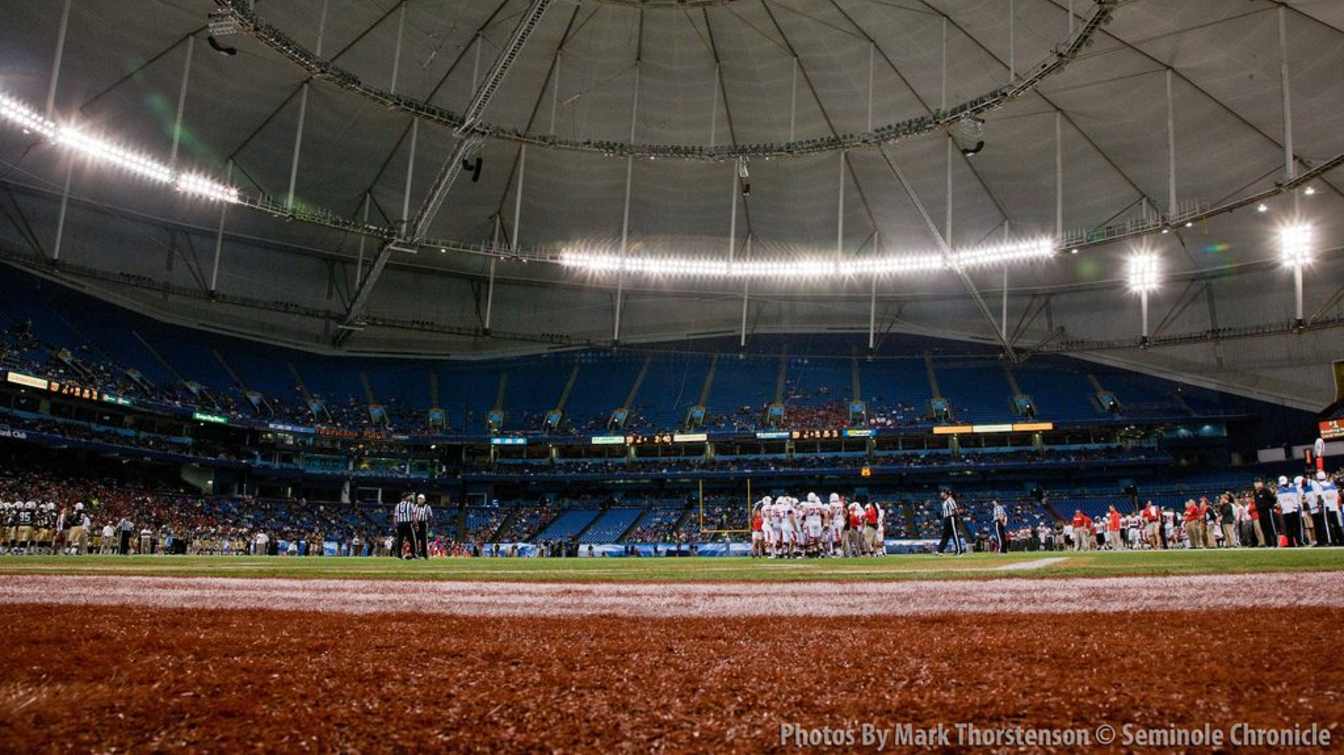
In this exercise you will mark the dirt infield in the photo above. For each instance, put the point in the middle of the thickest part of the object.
(133, 678)
(729, 600)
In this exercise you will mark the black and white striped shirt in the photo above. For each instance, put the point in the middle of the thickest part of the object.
(404, 512)
(422, 513)
(949, 506)
(1000, 515)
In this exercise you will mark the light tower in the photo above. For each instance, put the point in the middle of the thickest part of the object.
(1296, 243)
(1145, 269)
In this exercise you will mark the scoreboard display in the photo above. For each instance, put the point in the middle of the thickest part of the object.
(73, 390)
(658, 439)
(1332, 429)
(815, 434)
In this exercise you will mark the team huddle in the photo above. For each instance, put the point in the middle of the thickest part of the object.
(32, 527)
(786, 527)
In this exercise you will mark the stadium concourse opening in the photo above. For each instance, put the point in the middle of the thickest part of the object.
(671, 375)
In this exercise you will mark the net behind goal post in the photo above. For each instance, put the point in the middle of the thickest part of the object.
(725, 510)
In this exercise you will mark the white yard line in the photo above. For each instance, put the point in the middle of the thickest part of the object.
(727, 599)
(1039, 563)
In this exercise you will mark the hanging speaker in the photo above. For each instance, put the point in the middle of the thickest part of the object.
(475, 167)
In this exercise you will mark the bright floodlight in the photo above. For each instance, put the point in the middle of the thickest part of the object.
(1145, 269)
(104, 151)
(198, 185)
(25, 117)
(810, 268)
(1295, 245)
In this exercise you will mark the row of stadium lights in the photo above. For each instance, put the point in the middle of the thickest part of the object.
(810, 267)
(103, 151)
(1296, 250)
(1295, 241)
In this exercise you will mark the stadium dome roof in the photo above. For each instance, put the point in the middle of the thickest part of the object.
(835, 112)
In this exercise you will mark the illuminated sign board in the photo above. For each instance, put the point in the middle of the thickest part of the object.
(287, 428)
(112, 398)
(690, 437)
(860, 432)
(18, 378)
(1332, 429)
(73, 390)
(218, 419)
(508, 441)
(608, 440)
(1021, 427)
(1033, 427)
(773, 435)
(815, 434)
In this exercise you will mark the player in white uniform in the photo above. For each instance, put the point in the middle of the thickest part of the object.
(774, 520)
(758, 536)
(792, 527)
(1330, 498)
(812, 524)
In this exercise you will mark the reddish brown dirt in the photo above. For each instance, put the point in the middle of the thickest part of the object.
(121, 678)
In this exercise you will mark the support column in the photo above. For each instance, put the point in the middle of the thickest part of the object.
(1143, 304)
(182, 100)
(65, 203)
(625, 219)
(793, 99)
(746, 294)
(555, 91)
(219, 234)
(396, 50)
(872, 297)
(1012, 41)
(1289, 167)
(303, 112)
(518, 198)
(1059, 175)
(490, 290)
(871, 50)
(410, 178)
(1171, 149)
(56, 63)
(840, 214)
(476, 63)
(1297, 292)
(714, 108)
(1003, 312)
(359, 265)
(732, 218)
(947, 226)
(1070, 19)
(942, 107)
(942, 102)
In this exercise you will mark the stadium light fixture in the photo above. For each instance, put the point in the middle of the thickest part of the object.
(1145, 270)
(1295, 245)
(100, 150)
(1262, 207)
(807, 268)
(1310, 191)
(205, 187)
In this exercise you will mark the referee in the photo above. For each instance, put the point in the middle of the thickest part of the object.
(403, 515)
(1001, 526)
(950, 524)
(420, 518)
